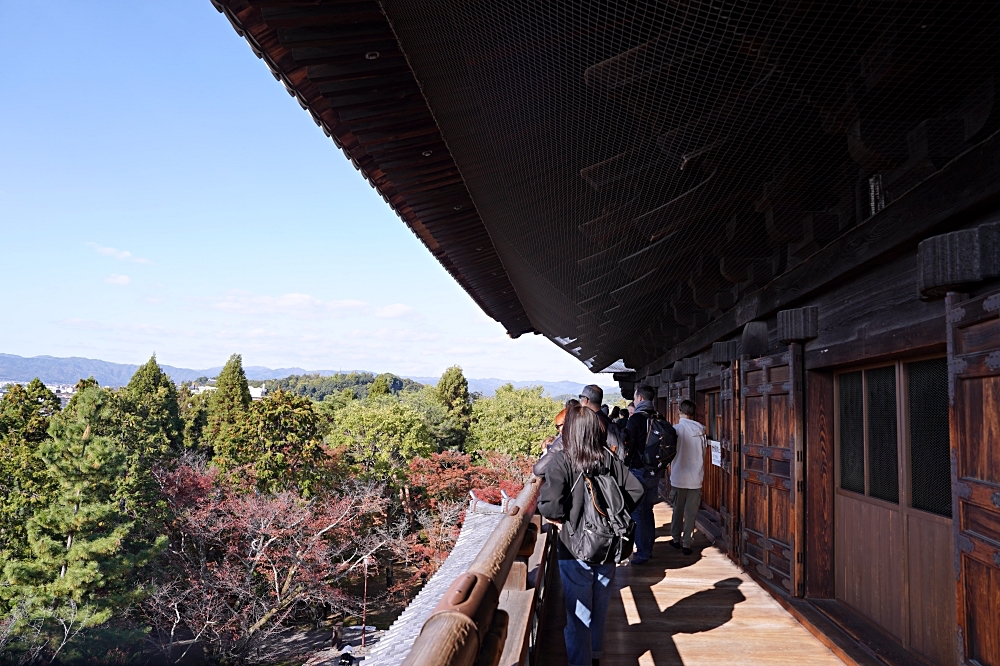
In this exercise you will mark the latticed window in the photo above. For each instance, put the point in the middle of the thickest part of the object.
(893, 434)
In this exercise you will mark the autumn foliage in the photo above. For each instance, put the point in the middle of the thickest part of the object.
(239, 564)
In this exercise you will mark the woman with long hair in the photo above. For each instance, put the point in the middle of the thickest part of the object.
(586, 585)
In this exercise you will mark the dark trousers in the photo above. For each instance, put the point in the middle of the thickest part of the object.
(587, 590)
(645, 528)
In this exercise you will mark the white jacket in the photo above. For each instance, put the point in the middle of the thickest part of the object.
(688, 468)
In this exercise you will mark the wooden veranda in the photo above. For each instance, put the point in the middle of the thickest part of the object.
(694, 609)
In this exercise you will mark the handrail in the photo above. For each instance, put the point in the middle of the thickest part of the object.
(465, 621)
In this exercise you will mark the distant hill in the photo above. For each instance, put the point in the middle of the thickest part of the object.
(53, 370)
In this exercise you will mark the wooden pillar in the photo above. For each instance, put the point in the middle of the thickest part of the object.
(820, 487)
(794, 328)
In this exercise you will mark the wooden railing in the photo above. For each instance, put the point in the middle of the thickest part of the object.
(490, 614)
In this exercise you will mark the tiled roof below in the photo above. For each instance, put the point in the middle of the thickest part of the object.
(396, 643)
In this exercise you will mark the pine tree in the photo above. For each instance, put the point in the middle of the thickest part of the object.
(228, 405)
(25, 486)
(82, 545)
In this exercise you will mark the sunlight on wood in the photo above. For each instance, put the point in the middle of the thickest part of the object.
(647, 659)
(631, 612)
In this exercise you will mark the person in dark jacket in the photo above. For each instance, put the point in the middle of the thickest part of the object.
(586, 585)
(556, 444)
(636, 431)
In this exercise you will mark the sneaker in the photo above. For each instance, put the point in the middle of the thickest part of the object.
(635, 561)
(686, 551)
(675, 543)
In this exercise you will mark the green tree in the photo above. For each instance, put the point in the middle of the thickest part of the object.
(513, 421)
(193, 412)
(25, 485)
(453, 390)
(444, 427)
(382, 386)
(281, 440)
(228, 404)
(383, 435)
(82, 550)
(152, 398)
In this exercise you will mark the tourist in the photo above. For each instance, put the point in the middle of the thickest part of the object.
(636, 433)
(686, 474)
(553, 444)
(586, 585)
(591, 397)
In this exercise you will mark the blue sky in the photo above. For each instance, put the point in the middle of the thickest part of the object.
(159, 191)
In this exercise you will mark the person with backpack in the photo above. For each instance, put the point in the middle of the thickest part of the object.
(687, 472)
(590, 494)
(651, 443)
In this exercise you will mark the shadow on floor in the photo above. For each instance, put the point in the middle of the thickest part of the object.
(626, 644)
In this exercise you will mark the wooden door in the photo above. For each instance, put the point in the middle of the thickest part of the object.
(771, 419)
(676, 393)
(729, 429)
(974, 399)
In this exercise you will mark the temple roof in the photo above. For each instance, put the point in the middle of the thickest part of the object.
(617, 176)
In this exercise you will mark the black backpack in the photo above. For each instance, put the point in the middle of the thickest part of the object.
(606, 531)
(661, 443)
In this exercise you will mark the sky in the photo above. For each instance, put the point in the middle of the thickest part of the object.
(161, 192)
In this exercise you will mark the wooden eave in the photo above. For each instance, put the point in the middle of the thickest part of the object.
(373, 109)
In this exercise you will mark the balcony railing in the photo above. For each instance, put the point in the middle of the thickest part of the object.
(490, 613)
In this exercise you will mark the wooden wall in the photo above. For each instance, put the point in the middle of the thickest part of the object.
(869, 557)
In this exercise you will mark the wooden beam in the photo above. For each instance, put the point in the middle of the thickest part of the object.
(968, 184)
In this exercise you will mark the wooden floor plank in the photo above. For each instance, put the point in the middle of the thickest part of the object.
(691, 610)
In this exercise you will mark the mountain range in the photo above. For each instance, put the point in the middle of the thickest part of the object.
(53, 370)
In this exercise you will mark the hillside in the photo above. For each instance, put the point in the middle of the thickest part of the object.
(54, 370)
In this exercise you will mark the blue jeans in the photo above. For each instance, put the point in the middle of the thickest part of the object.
(645, 528)
(587, 589)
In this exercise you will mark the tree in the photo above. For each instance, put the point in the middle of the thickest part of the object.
(152, 398)
(228, 405)
(281, 442)
(383, 435)
(453, 390)
(193, 412)
(239, 563)
(25, 485)
(82, 551)
(382, 386)
(513, 421)
(444, 426)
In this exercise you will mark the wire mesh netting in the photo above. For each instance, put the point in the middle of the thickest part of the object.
(640, 166)
(930, 465)
(852, 432)
(883, 440)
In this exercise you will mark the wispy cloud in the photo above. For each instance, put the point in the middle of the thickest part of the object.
(121, 255)
(394, 311)
(294, 304)
(118, 279)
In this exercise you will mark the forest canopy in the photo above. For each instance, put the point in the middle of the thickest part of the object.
(127, 518)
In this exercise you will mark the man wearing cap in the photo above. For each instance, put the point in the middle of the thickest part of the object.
(591, 397)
